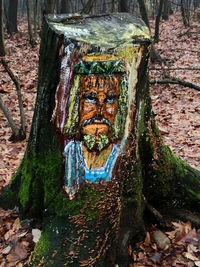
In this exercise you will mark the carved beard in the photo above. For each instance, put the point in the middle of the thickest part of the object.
(95, 142)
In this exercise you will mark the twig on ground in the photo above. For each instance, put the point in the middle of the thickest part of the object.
(172, 80)
(11, 122)
(193, 69)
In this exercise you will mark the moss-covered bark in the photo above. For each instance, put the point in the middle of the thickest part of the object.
(96, 227)
(166, 177)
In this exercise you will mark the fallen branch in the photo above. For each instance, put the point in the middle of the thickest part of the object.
(175, 69)
(17, 85)
(179, 49)
(8, 116)
(173, 80)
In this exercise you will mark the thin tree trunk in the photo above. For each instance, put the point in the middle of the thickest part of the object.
(124, 6)
(87, 7)
(49, 6)
(165, 14)
(184, 15)
(143, 12)
(30, 31)
(153, 54)
(35, 18)
(65, 6)
(2, 45)
(12, 17)
(115, 6)
(156, 35)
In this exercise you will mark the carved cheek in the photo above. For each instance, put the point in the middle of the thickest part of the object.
(110, 110)
(110, 113)
(88, 110)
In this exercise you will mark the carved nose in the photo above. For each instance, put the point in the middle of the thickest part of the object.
(100, 108)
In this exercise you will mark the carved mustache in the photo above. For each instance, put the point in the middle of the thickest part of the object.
(97, 119)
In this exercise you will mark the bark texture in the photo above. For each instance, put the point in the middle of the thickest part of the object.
(96, 227)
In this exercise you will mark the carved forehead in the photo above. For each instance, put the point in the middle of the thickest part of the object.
(100, 83)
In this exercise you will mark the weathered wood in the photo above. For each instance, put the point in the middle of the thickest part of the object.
(97, 63)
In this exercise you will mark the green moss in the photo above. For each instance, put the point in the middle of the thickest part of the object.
(42, 246)
(40, 177)
(87, 197)
(196, 195)
(26, 177)
(173, 161)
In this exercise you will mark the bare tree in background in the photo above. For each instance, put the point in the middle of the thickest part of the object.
(185, 11)
(123, 6)
(65, 6)
(30, 31)
(2, 46)
(11, 15)
(157, 24)
(49, 6)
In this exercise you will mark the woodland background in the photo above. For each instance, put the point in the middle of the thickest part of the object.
(175, 83)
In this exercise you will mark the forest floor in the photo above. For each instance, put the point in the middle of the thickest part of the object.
(177, 111)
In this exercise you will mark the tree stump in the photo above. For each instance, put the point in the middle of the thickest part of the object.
(94, 149)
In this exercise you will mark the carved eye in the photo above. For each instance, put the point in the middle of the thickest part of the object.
(110, 98)
(90, 97)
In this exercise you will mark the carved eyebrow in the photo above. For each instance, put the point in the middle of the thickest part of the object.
(111, 94)
(90, 94)
(90, 97)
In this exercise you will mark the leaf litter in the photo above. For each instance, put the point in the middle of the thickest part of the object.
(177, 111)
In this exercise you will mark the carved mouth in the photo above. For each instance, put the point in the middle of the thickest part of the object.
(96, 120)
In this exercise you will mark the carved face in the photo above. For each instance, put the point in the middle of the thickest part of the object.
(98, 104)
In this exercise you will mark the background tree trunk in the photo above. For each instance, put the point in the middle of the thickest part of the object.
(143, 12)
(156, 35)
(185, 11)
(97, 226)
(49, 6)
(65, 6)
(165, 14)
(88, 7)
(30, 31)
(123, 6)
(2, 46)
(12, 16)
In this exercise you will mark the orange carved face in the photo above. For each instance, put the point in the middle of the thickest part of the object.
(98, 103)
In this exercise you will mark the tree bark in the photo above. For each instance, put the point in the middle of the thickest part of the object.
(2, 45)
(97, 225)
